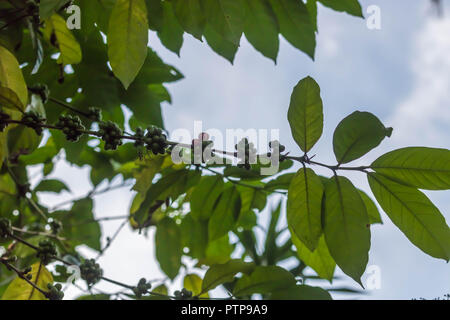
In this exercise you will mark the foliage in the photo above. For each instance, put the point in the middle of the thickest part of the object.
(62, 90)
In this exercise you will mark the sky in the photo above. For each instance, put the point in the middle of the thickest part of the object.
(401, 73)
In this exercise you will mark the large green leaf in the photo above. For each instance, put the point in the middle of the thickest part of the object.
(10, 100)
(371, 207)
(226, 213)
(352, 7)
(305, 113)
(304, 207)
(19, 289)
(194, 236)
(346, 227)
(48, 7)
(22, 140)
(295, 24)
(65, 41)
(420, 167)
(264, 280)
(168, 247)
(319, 260)
(204, 197)
(301, 292)
(218, 274)
(414, 214)
(261, 27)
(356, 135)
(170, 33)
(226, 17)
(11, 76)
(127, 39)
(190, 14)
(79, 225)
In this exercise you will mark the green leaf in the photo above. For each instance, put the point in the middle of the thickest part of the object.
(420, 167)
(79, 225)
(204, 197)
(226, 213)
(11, 76)
(295, 24)
(218, 274)
(48, 7)
(65, 41)
(10, 100)
(252, 198)
(226, 17)
(261, 27)
(155, 14)
(51, 185)
(346, 227)
(263, 280)
(301, 292)
(19, 289)
(352, 7)
(218, 251)
(127, 39)
(305, 113)
(414, 214)
(194, 236)
(356, 135)
(98, 296)
(190, 14)
(193, 283)
(319, 260)
(311, 5)
(372, 210)
(304, 207)
(281, 182)
(168, 247)
(219, 44)
(171, 33)
(22, 140)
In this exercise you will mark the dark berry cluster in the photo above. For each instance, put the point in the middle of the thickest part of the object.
(155, 140)
(42, 90)
(26, 273)
(183, 294)
(55, 226)
(142, 288)
(5, 228)
(111, 134)
(54, 292)
(199, 146)
(246, 153)
(47, 250)
(91, 272)
(95, 114)
(3, 118)
(71, 126)
(34, 120)
(276, 148)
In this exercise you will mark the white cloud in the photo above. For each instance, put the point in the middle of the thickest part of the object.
(423, 114)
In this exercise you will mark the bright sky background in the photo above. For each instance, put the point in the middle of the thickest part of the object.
(401, 73)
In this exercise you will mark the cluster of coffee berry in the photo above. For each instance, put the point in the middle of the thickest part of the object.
(71, 126)
(95, 114)
(5, 228)
(111, 134)
(155, 140)
(34, 120)
(184, 294)
(276, 148)
(55, 226)
(246, 153)
(142, 288)
(47, 250)
(54, 292)
(198, 147)
(91, 272)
